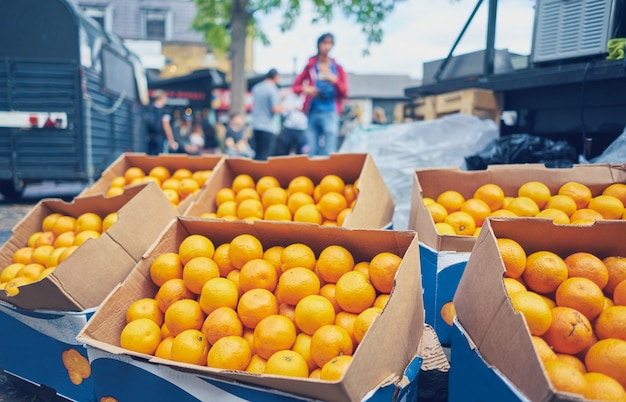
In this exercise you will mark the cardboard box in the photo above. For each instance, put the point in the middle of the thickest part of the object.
(483, 307)
(85, 278)
(443, 258)
(380, 358)
(374, 206)
(479, 102)
(146, 163)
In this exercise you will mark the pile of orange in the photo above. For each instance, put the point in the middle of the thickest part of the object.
(325, 203)
(176, 186)
(575, 309)
(268, 310)
(59, 237)
(573, 203)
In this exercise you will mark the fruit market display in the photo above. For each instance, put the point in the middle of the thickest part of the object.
(59, 237)
(176, 185)
(324, 203)
(573, 203)
(279, 310)
(575, 309)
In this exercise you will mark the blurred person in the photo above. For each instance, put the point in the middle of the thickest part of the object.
(159, 130)
(325, 84)
(235, 141)
(379, 116)
(265, 112)
(292, 139)
(211, 144)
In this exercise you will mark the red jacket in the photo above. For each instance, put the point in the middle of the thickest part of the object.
(307, 77)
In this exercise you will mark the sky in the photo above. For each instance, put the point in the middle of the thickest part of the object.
(417, 31)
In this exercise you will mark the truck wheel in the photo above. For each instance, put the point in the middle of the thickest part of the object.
(8, 191)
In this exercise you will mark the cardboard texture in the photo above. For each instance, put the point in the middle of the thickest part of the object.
(379, 359)
(443, 258)
(146, 163)
(374, 206)
(84, 279)
(484, 310)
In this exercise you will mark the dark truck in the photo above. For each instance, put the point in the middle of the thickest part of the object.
(72, 97)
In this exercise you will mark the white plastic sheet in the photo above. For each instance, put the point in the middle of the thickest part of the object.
(399, 149)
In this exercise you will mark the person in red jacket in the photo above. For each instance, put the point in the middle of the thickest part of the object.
(325, 84)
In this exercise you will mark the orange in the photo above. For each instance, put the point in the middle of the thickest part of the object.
(364, 321)
(183, 314)
(265, 183)
(478, 209)
(181, 173)
(317, 194)
(227, 208)
(9, 271)
(578, 191)
(198, 271)
(190, 346)
(492, 194)
(616, 267)
(563, 203)
(247, 194)
(346, 321)
(570, 331)
(187, 186)
(302, 345)
(273, 196)
(64, 224)
(166, 266)
(462, 222)
(329, 342)
(297, 200)
(256, 304)
(133, 173)
(335, 368)
(65, 254)
(221, 258)
(172, 291)
(308, 213)
(233, 276)
(427, 201)
(41, 254)
(277, 212)
(448, 312)
(164, 350)
(381, 300)
(12, 287)
(64, 239)
(333, 262)
(257, 273)
(46, 239)
(443, 228)
(619, 295)
(331, 183)
(170, 184)
(586, 214)
(248, 335)
(611, 323)
(30, 271)
(331, 204)
(608, 356)
(172, 196)
(555, 215)
(536, 191)
(46, 272)
(223, 321)
(224, 194)
(202, 176)
(297, 283)
(256, 365)
(503, 213)
(85, 235)
(608, 206)
(88, 221)
(160, 172)
(523, 206)
(218, 292)
(273, 255)
(301, 184)
(328, 291)
(437, 211)
(350, 193)
(354, 292)
(572, 361)
(141, 335)
(451, 200)
(193, 246)
(230, 353)
(382, 271)
(288, 310)
(297, 255)
(114, 191)
(33, 238)
(145, 308)
(535, 310)
(565, 378)
(287, 363)
(513, 256)
(581, 294)
(242, 181)
(587, 265)
(313, 312)
(544, 271)
(273, 333)
(544, 351)
(608, 302)
(243, 248)
(48, 221)
(601, 387)
(617, 190)
(363, 267)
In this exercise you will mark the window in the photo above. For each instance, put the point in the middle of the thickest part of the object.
(156, 24)
(102, 14)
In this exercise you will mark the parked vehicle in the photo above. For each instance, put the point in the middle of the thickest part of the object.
(72, 96)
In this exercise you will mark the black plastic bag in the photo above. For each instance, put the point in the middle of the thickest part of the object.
(523, 148)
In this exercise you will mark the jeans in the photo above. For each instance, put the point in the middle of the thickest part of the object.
(322, 133)
(264, 142)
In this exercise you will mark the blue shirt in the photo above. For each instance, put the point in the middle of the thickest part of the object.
(325, 101)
